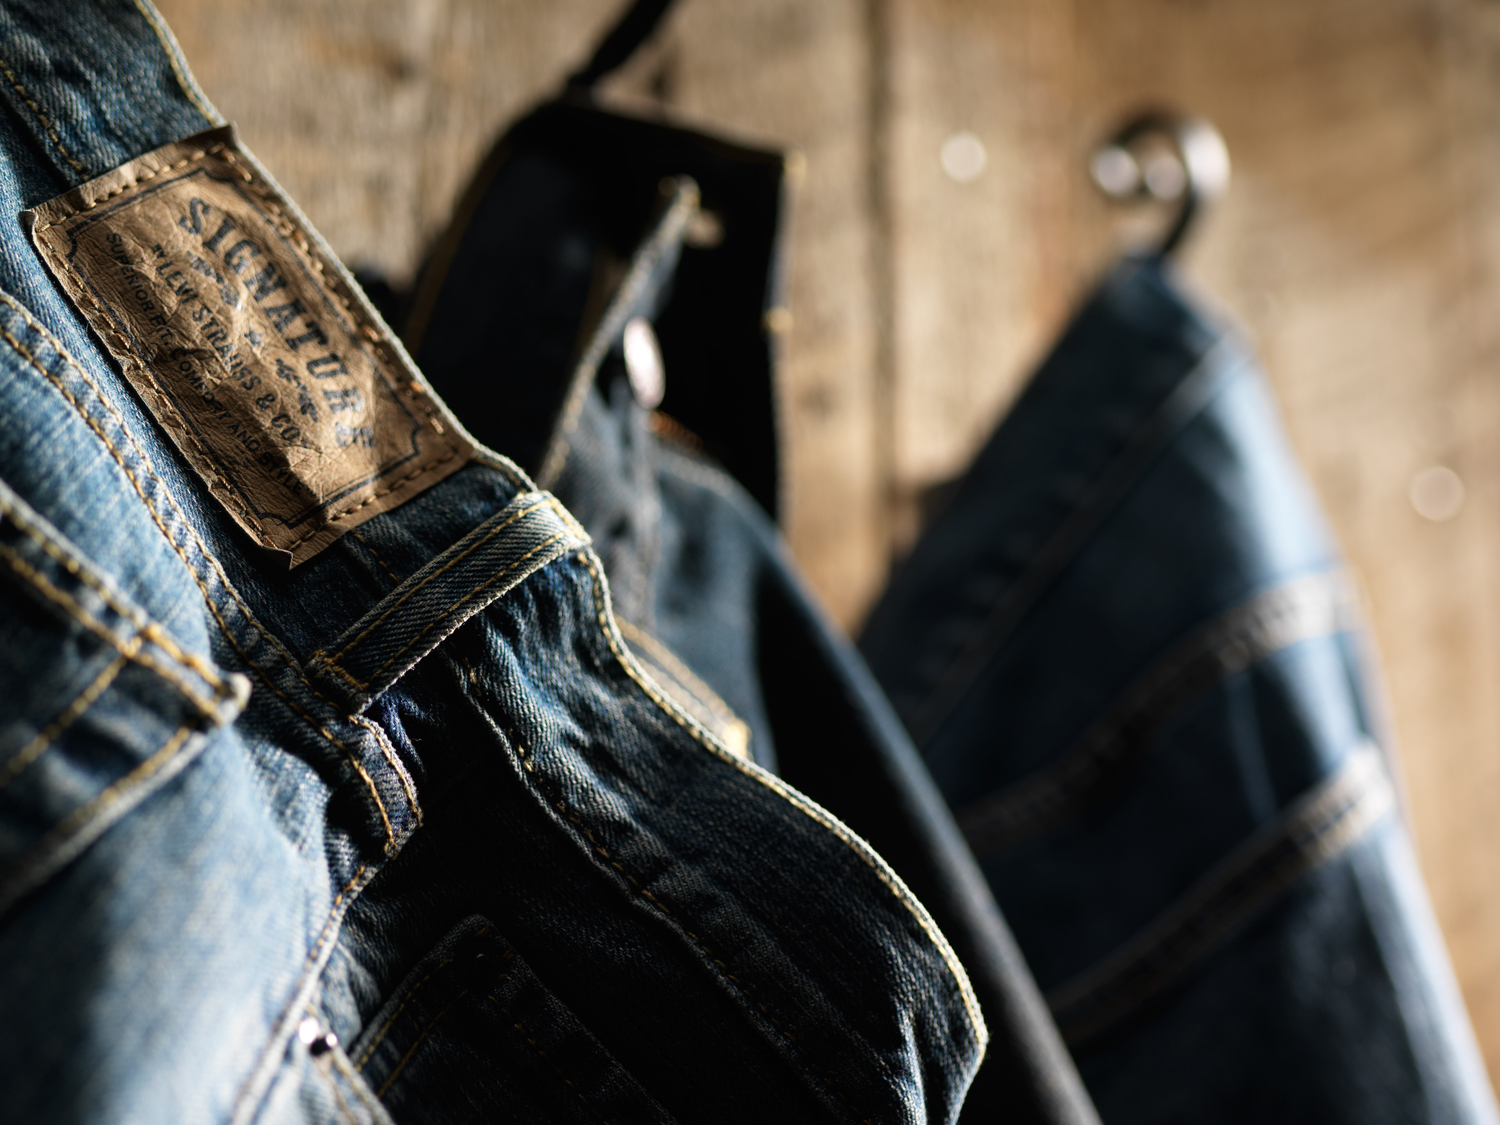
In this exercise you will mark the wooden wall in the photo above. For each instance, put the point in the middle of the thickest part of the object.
(1360, 247)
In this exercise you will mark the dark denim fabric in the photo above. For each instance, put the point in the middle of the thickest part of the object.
(404, 833)
(1131, 656)
(704, 588)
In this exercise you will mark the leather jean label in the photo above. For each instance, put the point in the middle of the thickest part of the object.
(276, 381)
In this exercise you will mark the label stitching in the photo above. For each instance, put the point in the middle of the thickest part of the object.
(385, 365)
(184, 415)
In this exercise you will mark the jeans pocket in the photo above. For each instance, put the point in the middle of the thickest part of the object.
(471, 1034)
(101, 705)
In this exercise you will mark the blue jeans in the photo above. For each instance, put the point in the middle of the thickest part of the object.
(1131, 656)
(708, 598)
(404, 832)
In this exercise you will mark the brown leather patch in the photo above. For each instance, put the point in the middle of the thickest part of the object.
(267, 368)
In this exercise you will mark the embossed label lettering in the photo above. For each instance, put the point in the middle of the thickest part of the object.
(268, 372)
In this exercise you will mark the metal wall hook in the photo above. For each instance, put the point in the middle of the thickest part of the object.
(1193, 168)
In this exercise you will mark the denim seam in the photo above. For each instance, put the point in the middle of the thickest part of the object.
(178, 63)
(476, 591)
(72, 824)
(412, 1050)
(40, 116)
(815, 812)
(340, 1062)
(1136, 452)
(385, 1028)
(338, 1097)
(664, 656)
(107, 796)
(541, 1054)
(1303, 609)
(130, 647)
(561, 806)
(147, 628)
(393, 759)
(365, 543)
(156, 516)
(438, 619)
(404, 598)
(1316, 829)
(287, 1027)
(14, 765)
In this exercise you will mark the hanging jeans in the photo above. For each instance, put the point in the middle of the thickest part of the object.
(403, 832)
(1130, 655)
(508, 325)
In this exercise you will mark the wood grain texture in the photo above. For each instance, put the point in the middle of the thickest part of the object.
(1359, 247)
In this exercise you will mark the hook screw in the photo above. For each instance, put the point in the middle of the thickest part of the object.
(1166, 157)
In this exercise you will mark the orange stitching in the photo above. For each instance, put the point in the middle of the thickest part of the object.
(332, 913)
(385, 1028)
(40, 116)
(166, 414)
(676, 668)
(159, 637)
(127, 354)
(454, 561)
(388, 752)
(173, 52)
(361, 1089)
(807, 807)
(112, 793)
(447, 612)
(152, 631)
(562, 807)
(35, 748)
(312, 955)
(412, 1050)
(127, 647)
(122, 189)
(339, 1097)
(365, 543)
(187, 526)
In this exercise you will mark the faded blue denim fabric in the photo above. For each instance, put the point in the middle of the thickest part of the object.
(1132, 658)
(404, 833)
(705, 591)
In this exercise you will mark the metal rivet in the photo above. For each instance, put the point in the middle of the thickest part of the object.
(643, 363)
(318, 1041)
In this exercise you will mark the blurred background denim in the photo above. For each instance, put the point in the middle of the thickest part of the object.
(674, 484)
(511, 877)
(1132, 658)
